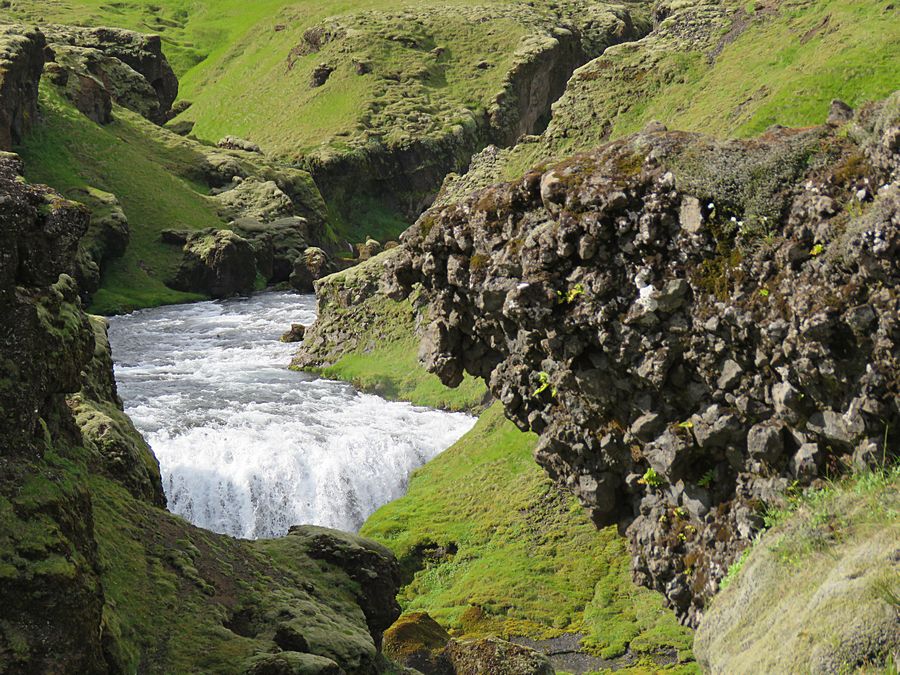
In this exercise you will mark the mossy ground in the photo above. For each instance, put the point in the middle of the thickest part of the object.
(492, 547)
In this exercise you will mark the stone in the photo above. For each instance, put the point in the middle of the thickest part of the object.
(765, 442)
(784, 397)
(312, 265)
(235, 143)
(730, 375)
(320, 75)
(498, 657)
(647, 426)
(21, 63)
(295, 334)
(129, 65)
(839, 113)
(417, 641)
(805, 462)
(291, 663)
(219, 263)
(690, 215)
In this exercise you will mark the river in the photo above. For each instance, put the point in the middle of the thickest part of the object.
(248, 447)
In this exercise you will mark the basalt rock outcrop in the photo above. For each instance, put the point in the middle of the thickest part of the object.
(692, 326)
(21, 63)
(95, 577)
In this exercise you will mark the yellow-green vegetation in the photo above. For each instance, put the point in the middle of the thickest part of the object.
(818, 592)
(392, 370)
(492, 547)
(129, 159)
(744, 67)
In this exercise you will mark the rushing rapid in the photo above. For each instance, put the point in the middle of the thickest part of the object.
(248, 447)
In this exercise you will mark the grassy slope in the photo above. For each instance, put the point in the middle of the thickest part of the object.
(527, 559)
(128, 159)
(815, 592)
(784, 67)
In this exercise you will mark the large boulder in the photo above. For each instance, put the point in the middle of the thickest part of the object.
(255, 198)
(417, 641)
(92, 80)
(21, 64)
(219, 263)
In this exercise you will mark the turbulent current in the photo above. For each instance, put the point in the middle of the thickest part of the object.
(249, 448)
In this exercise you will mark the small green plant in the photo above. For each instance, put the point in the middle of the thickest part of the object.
(651, 479)
(707, 478)
(680, 512)
(764, 292)
(818, 249)
(733, 569)
(544, 384)
(571, 295)
(686, 425)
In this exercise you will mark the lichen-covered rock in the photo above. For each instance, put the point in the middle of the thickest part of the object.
(260, 200)
(107, 431)
(219, 263)
(644, 340)
(92, 80)
(113, 56)
(498, 657)
(49, 567)
(417, 641)
(235, 143)
(106, 238)
(21, 64)
(309, 267)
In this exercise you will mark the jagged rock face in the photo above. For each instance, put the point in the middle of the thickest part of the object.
(130, 66)
(21, 64)
(690, 325)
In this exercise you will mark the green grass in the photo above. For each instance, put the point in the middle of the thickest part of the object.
(494, 547)
(784, 71)
(783, 68)
(818, 590)
(127, 158)
(392, 370)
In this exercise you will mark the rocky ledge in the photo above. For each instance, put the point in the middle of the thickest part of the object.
(692, 326)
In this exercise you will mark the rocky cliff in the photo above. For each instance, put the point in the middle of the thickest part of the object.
(692, 326)
(95, 577)
(21, 62)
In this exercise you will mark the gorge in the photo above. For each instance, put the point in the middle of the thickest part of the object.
(591, 360)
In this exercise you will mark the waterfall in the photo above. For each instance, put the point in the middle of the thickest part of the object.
(249, 448)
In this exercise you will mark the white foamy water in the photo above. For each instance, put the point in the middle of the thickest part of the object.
(249, 448)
